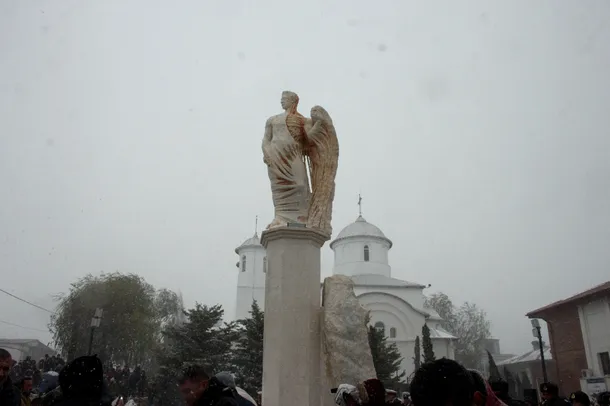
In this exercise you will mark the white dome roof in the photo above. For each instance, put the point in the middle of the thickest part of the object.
(253, 241)
(361, 228)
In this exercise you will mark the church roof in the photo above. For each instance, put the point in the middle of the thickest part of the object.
(381, 280)
(361, 228)
(439, 332)
(253, 241)
(533, 355)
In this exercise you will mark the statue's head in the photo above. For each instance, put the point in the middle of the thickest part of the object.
(289, 101)
(318, 113)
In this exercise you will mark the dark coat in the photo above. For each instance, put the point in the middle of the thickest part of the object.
(217, 395)
(9, 394)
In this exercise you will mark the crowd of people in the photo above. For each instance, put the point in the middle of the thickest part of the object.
(29, 368)
(84, 382)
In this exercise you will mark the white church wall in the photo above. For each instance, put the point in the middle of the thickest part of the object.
(251, 281)
(350, 257)
(375, 301)
(413, 295)
(441, 348)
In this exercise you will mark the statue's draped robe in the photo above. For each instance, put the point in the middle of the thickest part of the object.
(283, 153)
(323, 154)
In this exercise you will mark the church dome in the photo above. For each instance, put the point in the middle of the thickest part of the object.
(253, 241)
(361, 229)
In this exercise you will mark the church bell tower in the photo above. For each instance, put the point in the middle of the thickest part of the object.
(252, 266)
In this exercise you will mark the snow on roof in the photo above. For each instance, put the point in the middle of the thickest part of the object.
(361, 228)
(533, 355)
(380, 280)
(439, 332)
(253, 241)
(433, 314)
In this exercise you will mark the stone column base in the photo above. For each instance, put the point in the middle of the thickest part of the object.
(291, 349)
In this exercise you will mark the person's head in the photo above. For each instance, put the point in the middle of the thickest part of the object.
(375, 392)
(549, 390)
(390, 395)
(443, 382)
(46, 355)
(6, 363)
(289, 101)
(26, 385)
(84, 376)
(193, 383)
(579, 398)
(226, 378)
(479, 396)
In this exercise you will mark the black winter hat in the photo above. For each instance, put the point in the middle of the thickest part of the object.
(580, 397)
(84, 376)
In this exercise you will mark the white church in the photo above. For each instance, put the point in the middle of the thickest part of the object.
(361, 252)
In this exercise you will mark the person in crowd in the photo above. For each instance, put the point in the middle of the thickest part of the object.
(242, 397)
(579, 398)
(550, 395)
(25, 386)
(483, 394)
(9, 394)
(443, 382)
(142, 384)
(133, 380)
(391, 398)
(347, 395)
(199, 389)
(82, 383)
(373, 393)
(501, 389)
(603, 399)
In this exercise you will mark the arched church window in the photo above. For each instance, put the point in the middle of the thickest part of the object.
(379, 326)
(243, 263)
(265, 265)
(392, 332)
(366, 253)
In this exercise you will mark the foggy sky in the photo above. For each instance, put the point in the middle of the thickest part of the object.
(477, 134)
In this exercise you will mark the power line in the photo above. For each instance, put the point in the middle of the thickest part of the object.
(27, 328)
(25, 301)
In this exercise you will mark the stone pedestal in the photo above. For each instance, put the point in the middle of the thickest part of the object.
(291, 349)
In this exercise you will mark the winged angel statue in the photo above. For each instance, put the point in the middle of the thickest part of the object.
(295, 150)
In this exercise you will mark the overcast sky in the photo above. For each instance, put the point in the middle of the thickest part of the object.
(477, 133)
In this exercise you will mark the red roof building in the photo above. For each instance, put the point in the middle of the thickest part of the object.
(579, 333)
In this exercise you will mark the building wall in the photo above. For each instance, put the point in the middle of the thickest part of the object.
(533, 371)
(595, 325)
(395, 313)
(349, 257)
(567, 346)
(414, 295)
(251, 282)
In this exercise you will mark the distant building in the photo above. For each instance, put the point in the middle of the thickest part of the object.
(493, 346)
(525, 371)
(22, 348)
(579, 333)
(361, 252)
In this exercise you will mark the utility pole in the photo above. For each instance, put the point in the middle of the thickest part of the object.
(95, 322)
(538, 334)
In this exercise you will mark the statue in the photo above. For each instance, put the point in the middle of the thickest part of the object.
(291, 142)
(323, 153)
(284, 146)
